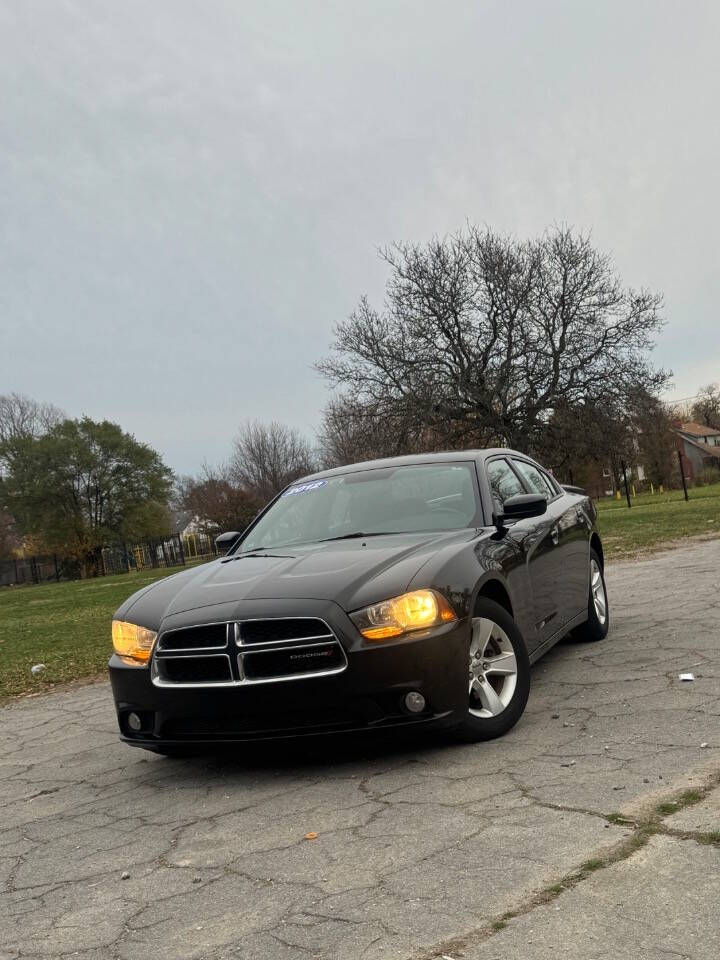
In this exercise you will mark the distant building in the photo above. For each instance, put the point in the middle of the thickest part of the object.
(700, 447)
(185, 524)
(597, 479)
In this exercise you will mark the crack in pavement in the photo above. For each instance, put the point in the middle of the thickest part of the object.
(419, 843)
(652, 824)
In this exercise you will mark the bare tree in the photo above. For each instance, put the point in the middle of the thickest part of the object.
(578, 442)
(22, 418)
(268, 456)
(706, 409)
(482, 337)
(681, 410)
(655, 440)
(352, 432)
(217, 502)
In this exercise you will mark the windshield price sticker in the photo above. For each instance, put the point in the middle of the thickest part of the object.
(303, 488)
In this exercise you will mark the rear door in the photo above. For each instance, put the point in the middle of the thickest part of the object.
(534, 538)
(569, 537)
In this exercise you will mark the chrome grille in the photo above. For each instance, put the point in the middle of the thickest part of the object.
(283, 630)
(210, 636)
(247, 652)
(193, 671)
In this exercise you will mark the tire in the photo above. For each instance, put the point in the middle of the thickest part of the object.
(488, 716)
(597, 625)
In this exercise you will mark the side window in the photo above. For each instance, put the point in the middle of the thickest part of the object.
(554, 488)
(503, 481)
(533, 478)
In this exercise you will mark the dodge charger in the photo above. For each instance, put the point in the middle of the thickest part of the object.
(408, 592)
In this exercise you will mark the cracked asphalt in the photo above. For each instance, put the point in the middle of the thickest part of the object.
(423, 848)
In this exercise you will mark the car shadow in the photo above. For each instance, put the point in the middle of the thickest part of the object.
(305, 753)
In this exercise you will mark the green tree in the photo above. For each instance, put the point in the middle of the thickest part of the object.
(148, 519)
(9, 541)
(83, 484)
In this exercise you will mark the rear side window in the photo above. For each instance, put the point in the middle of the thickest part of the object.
(550, 481)
(534, 479)
(503, 481)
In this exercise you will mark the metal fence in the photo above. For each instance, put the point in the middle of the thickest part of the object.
(154, 552)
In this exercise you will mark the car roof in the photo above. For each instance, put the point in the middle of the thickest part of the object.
(446, 456)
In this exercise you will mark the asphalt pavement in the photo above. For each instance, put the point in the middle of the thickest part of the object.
(590, 831)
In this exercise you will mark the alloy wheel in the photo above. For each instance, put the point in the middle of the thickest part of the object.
(493, 669)
(597, 589)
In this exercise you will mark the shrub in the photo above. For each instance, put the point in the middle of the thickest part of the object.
(707, 476)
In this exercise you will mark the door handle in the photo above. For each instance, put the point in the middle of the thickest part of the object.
(555, 534)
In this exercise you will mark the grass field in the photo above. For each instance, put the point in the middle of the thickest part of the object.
(657, 519)
(66, 626)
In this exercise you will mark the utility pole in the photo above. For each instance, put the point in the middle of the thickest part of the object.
(627, 489)
(682, 474)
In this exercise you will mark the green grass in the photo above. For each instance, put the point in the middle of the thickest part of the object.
(66, 626)
(687, 799)
(619, 819)
(656, 519)
(709, 838)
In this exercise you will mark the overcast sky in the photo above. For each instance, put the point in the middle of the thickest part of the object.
(193, 193)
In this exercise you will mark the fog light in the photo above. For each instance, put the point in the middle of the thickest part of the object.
(134, 722)
(414, 702)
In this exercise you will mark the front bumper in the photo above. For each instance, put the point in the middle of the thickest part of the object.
(368, 695)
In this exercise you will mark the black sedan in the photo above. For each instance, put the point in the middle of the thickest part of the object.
(414, 591)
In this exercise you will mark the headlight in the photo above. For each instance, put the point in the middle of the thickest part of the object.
(412, 611)
(131, 641)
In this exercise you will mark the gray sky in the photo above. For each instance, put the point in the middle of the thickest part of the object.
(192, 193)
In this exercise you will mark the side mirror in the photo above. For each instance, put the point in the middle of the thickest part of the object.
(520, 507)
(225, 541)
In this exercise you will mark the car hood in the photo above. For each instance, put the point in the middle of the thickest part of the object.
(352, 573)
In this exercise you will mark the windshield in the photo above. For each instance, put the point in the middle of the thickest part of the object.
(389, 500)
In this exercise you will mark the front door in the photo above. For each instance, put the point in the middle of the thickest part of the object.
(568, 538)
(537, 540)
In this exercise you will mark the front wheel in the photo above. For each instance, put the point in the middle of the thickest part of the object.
(498, 675)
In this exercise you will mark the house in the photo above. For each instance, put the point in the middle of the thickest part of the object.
(184, 523)
(596, 478)
(700, 447)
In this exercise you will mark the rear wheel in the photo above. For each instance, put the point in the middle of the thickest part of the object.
(598, 620)
(498, 674)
